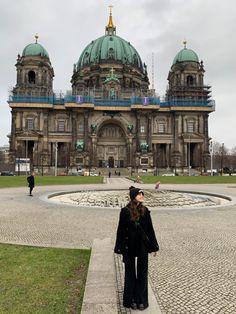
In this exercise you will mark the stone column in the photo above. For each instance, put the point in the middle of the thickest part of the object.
(167, 157)
(137, 131)
(86, 130)
(130, 157)
(21, 120)
(206, 138)
(94, 151)
(176, 132)
(74, 129)
(205, 153)
(149, 132)
(13, 131)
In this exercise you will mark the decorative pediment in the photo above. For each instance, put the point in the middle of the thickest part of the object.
(28, 133)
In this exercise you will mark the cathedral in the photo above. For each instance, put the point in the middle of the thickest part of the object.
(110, 118)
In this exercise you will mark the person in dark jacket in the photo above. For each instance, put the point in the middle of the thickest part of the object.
(135, 239)
(31, 183)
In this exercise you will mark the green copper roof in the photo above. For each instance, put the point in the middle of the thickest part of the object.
(109, 48)
(186, 55)
(35, 49)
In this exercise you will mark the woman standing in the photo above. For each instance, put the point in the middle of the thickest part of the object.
(135, 239)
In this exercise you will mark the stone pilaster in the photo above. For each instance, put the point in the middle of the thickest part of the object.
(86, 130)
(149, 132)
(137, 131)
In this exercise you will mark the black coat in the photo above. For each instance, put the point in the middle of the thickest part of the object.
(135, 239)
(30, 180)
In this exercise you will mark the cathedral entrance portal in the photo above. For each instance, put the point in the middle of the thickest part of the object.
(111, 162)
(111, 147)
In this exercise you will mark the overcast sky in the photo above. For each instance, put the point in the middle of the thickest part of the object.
(65, 27)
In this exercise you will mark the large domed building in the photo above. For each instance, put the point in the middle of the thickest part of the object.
(111, 118)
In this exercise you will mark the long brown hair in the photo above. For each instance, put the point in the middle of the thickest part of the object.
(135, 209)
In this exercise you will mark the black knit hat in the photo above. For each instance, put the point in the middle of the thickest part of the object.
(133, 192)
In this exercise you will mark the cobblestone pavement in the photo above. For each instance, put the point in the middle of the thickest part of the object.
(195, 271)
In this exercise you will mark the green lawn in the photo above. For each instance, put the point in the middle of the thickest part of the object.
(18, 181)
(42, 280)
(188, 180)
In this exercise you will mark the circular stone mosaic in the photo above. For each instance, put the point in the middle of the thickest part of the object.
(153, 199)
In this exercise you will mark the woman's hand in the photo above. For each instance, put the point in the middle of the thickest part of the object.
(154, 254)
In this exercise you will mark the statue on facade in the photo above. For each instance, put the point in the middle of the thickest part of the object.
(93, 128)
(130, 128)
(144, 147)
(79, 146)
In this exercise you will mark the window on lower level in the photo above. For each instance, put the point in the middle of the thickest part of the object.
(29, 123)
(190, 126)
(81, 128)
(142, 129)
(161, 127)
(61, 125)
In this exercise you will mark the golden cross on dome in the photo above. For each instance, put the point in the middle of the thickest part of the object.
(36, 38)
(110, 6)
(110, 22)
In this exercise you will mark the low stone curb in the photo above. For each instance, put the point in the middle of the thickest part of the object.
(105, 281)
(100, 291)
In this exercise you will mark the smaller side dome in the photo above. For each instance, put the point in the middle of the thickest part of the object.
(186, 55)
(35, 49)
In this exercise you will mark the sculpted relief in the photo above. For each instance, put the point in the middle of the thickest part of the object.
(111, 131)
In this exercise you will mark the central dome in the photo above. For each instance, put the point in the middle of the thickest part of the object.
(109, 49)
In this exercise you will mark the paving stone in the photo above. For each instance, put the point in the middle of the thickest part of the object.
(195, 269)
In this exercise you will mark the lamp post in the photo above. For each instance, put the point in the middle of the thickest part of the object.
(211, 154)
(189, 166)
(56, 147)
(26, 156)
(222, 158)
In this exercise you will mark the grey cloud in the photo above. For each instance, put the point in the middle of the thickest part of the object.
(159, 26)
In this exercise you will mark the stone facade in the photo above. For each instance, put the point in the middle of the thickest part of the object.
(111, 118)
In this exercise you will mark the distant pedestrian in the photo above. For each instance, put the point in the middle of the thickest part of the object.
(138, 180)
(31, 183)
(157, 185)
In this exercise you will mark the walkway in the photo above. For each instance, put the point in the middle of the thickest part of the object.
(196, 268)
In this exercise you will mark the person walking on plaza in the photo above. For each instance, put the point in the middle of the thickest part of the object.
(134, 240)
(157, 185)
(31, 182)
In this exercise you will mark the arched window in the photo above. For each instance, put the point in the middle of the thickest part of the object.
(161, 127)
(30, 124)
(61, 125)
(31, 77)
(111, 53)
(86, 58)
(135, 58)
(190, 126)
(190, 80)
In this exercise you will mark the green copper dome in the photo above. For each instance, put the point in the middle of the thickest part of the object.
(186, 55)
(35, 49)
(108, 49)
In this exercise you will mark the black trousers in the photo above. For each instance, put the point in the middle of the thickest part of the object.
(31, 189)
(136, 281)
